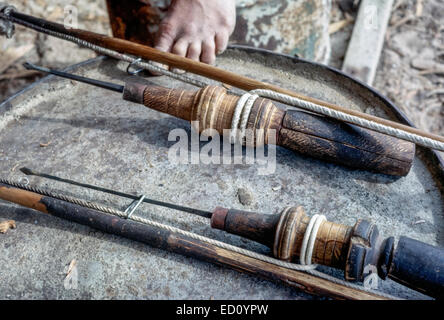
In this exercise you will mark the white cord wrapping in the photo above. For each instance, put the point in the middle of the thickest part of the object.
(245, 115)
(398, 133)
(240, 117)
(310, 238)
(236, 116)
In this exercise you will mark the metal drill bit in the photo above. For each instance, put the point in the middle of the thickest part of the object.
(97, 83)
(202, 213)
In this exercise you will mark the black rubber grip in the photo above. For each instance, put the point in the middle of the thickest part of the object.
(419, 266)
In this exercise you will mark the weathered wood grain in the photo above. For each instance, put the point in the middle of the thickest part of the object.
(345, 144)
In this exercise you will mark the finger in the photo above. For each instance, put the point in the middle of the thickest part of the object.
(165, 36)
(180, 47)
(194, 51)
(221, 40)
(164, 41)
(208, 52)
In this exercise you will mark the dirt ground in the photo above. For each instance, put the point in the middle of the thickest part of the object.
(411, 70)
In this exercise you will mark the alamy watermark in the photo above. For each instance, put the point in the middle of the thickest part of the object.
(72, 276)
(220, 150)
(371, 281)
(371, 17)
(71, 14)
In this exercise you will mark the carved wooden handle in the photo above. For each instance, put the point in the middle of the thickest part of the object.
(213, 108)
(358, 250)
(284, 234)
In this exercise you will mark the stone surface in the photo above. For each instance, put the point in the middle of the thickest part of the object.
(100, 139)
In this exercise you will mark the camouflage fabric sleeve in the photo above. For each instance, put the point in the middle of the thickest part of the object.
(287, 26)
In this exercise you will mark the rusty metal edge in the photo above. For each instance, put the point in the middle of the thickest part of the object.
(49, 77)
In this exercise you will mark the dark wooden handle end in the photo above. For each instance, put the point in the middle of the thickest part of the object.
(345, 144)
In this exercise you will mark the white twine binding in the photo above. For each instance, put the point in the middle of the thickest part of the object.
(310, 238)
(245, 115)
(236, 116)
(240, 117)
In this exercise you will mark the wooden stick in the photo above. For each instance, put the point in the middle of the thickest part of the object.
(365, 46)
(177, 243)
(212, 72)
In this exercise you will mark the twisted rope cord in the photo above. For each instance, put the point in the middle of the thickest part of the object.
(293, 266)
(236, 116)
(398, 133)
(240, 117)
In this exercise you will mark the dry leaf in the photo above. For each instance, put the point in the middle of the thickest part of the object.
(431, 71)
(336, 26)
(70, 268)
(6, 225)
(400, 22)
(44, 145)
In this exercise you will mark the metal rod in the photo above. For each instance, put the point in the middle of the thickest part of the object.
(97, 83)
(202, 213)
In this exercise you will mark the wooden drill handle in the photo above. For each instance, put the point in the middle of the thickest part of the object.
(306, 133)
(174, 242)
(284, 232)
(358, 250)
(251, 225)
(178, 103)
(342, 143)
